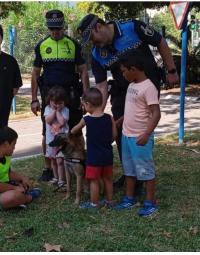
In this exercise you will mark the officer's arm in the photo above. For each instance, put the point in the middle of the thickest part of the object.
(34, 84)
(167, 58)
(100, 75)
(103, 87)
(150, 36)
(82, 69)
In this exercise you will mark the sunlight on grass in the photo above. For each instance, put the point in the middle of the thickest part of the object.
(23, 108)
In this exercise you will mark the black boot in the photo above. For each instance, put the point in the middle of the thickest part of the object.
(47, 175)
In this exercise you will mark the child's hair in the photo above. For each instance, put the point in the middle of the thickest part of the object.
(93, 96)
(134, 59)
(56, 94)
(7, 134)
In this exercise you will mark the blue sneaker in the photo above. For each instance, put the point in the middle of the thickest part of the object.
(35, 193)
(148, 209)
(88, 205)
(126, 203)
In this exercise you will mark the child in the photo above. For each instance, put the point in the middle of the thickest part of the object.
(100, 132)
(56, 117)
(141, 116)
(15, 190)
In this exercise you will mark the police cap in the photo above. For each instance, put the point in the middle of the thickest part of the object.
(55, 19)
(86, 25)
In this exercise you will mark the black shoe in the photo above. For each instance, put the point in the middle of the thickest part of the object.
(119, 183)
(47, 175)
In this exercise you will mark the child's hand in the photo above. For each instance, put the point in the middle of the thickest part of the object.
(142, 139)
(53, 106)
(20, 189)
(60, 107)
(26, 183)
(55, 128)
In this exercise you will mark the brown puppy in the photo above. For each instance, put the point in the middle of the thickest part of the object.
(73, 148)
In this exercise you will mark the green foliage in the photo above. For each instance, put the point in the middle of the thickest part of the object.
(172, 33)
(124, 10)
(31, 27)
(6, 7)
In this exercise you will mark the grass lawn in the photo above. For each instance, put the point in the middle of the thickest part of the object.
(52, 220)
(23, 108)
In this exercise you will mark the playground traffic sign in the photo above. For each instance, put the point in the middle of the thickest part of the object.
(179, 11)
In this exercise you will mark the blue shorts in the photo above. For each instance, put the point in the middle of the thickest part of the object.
(137, 160)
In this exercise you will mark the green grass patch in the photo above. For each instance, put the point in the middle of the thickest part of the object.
(23, 108)
(56, 221)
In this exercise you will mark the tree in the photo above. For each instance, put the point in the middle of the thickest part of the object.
(31, 27)
(124, 10)
(6, 7)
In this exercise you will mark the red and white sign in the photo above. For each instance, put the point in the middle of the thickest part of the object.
(179, 11)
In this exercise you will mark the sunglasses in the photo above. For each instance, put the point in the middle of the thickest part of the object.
(55, 28)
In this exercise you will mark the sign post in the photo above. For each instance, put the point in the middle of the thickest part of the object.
(180, 12)
(12, 35)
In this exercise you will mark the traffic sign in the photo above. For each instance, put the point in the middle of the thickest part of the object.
(179, 11)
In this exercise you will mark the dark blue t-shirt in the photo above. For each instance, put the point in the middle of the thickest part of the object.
(99, 140)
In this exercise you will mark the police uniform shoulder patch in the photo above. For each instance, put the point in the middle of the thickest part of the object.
(48, 50)
(103, 53)
(149, 31)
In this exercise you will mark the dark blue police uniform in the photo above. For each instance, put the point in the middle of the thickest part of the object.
(129, 36)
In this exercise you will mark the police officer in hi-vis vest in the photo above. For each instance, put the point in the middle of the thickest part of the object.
(113, 39)
(60, 58)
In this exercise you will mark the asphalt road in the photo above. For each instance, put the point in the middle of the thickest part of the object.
(29, 130)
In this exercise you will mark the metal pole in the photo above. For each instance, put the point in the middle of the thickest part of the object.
(183, 82)
(11, 44)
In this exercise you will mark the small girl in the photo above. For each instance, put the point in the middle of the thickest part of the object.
(101, 131)
(56, 118)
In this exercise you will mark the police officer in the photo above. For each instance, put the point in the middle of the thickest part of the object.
(10, 82)
(61, 59)
(114, 39)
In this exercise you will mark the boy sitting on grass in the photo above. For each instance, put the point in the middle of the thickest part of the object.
(141, 116)
(15, 190)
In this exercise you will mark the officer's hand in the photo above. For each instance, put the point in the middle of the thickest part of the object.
(35, 107)
(172, 79)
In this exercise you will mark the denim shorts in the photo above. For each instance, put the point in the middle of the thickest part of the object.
(137, 160)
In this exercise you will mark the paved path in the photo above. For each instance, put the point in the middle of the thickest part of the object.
(29, 130)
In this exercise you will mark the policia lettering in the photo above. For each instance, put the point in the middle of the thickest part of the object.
(62, 50)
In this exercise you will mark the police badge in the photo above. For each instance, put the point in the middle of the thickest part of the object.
(147, 30)
(103, 53)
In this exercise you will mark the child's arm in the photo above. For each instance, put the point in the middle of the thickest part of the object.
(19, 178)
(114, 129)
(6, 187)
(61, 120)
(50, 117)
(119, 122)
(153, 121)
(78, 127)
